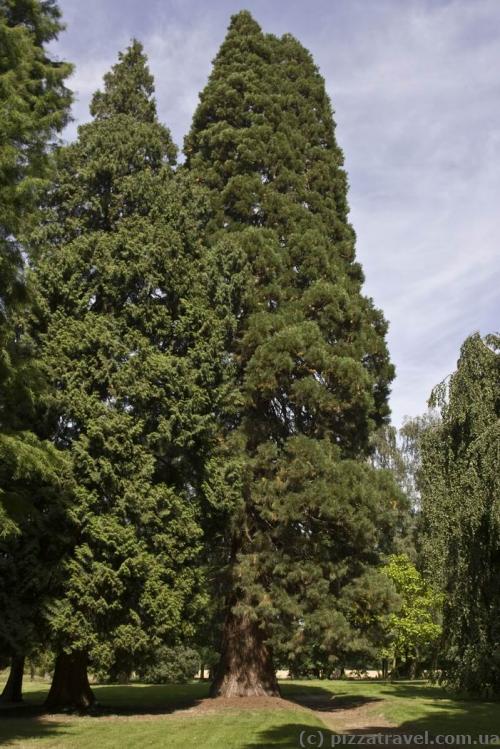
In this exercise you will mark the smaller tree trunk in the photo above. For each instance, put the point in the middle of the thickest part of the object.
(415, 666)
(246, 666)
(13, 690)
(385, 668)
(70, 686)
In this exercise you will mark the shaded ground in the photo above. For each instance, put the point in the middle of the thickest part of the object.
(409, 706)
(182, 716)
(346, 714)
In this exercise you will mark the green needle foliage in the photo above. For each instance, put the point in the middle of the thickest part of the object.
(301, 518)
(461, 513)
(33, 108)
(130, 351)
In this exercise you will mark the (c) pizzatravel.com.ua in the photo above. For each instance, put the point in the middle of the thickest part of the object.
(325, 739)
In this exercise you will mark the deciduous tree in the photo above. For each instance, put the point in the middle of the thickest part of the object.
(461, 509)
(415, 628)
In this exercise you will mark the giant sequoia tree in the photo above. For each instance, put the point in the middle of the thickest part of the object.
(300, 517)
(461, 513)
(127, 345)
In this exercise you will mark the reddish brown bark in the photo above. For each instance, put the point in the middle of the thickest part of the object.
(13, 690)
(70, 684)
(246, 666)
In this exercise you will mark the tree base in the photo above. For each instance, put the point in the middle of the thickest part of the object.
(246, 666)
(13, 690)
(70, 686)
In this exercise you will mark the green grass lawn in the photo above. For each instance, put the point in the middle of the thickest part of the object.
(417, 706)
(231, 730)
(138, 716)
(142, 716)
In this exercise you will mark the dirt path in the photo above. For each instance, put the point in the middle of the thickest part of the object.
(352, 717)
(363, 718)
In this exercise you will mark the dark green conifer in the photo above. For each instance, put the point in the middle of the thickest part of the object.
(300, 516)
(128, 347)
(34, 104)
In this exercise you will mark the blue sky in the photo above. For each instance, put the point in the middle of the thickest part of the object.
(416, 90)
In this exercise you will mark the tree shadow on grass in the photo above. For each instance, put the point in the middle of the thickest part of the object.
(19, 729)
(446, 713)
(165, 699)
(147, 699)
(467, 727)
(445, 716)
(416, 689)
(118, 699)
(30, 719)
(292, 735)
(456, 717)
(320, 699)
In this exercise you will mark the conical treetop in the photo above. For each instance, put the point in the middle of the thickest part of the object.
(123, 139)
(243, 22)
(128, 88)
(263, 137)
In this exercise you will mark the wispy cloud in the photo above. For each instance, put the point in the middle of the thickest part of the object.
(416, 90)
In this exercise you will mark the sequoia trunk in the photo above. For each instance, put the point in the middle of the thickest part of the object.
(246, 666)
(13, 690)
(70, 685)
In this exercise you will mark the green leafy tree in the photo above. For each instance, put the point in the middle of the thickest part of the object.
(399, 451)
(129, 348)
(411, 435)
(299, 518)
(461, 512)
(177, 665)
(387, 454)
(415, 628)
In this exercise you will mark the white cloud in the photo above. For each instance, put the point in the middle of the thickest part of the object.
(417, 96)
